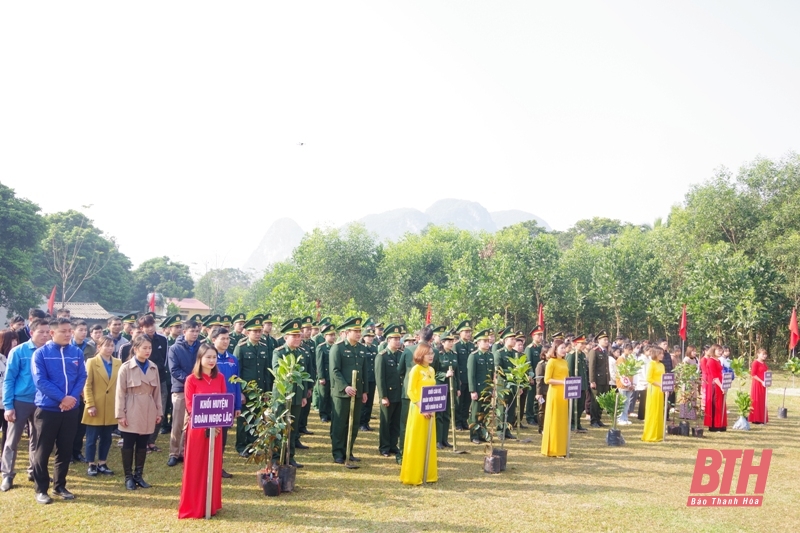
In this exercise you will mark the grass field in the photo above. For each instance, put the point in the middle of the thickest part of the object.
(634, 488)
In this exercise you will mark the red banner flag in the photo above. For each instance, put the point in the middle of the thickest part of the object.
(51, 302)
(153, 302)
(682, 330)
(428, 316)
(794, 336)
(541, 316)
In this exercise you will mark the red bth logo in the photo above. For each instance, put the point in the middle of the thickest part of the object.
(710, 488)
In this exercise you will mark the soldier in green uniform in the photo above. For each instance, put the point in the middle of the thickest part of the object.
(128, 322)
(404, 366)
(292, 333)
(268, 340)
(310, 364)
(328, 333)
(501, 336)
(446, 366)
(501, 361)
(347, 356)
(320, 339)
(378, 334)
(389, 385)
(463, 347)
(238, 329)
(576, 361)
(534, 354)
(480, 371)
(369, 378)
(254, 364)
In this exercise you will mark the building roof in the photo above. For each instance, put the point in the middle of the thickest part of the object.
(87, 310)
(187, 303)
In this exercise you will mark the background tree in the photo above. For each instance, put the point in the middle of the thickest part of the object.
(160, 274)
(215, 287)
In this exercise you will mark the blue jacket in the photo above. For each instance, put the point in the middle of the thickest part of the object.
(58, 371)
(18, 384)
(180, 358)
(228, 366)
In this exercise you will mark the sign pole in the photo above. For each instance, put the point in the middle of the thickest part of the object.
(666, 413)
(569, 433)
(212, 438)
(767, 383)
(428, 450)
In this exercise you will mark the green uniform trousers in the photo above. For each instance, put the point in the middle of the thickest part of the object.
(366, 410)
(389, 430)
(324, 392)
(340, 422)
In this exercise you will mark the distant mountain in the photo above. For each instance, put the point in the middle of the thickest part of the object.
(462, 214)
(391, 225)
(504, 219)
(281, 238)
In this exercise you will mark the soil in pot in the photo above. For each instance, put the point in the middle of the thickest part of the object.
(783, 412)
(287, 475)
(684, 429)
(614, 438)
(270, 483)
(502, 458)
(491, 464)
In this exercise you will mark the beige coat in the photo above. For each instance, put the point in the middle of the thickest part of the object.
(138, 397)
(100, 392)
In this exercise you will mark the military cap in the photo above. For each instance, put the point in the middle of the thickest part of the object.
(241, 317)
(253, 323)
(520, 335)
(197, 318)
(579, 339)
(409, 338)
(537, 329)
(354, 322)
(557, 336)
(291, 327)
(212, 320)
(307, 321)
(325, 321)
(379, 325)
(174, 320)
(464, 325)
(368, 332)
(484, 334)
(403, 329)
(394, 330)
(368, 323)
(602, 335)
(130, 318)
(505, 333)
(204, 318)
(287, 322)
(227, 320)
(439, 329)
(449, 336)
(266, 318)
(327, 328)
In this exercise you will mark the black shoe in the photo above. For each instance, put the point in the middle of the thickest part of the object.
(43, 498)
(439, 446)
(338, 461)
(531, 422)
(92, 470)
(354, 459)
(137, 478)
(595, 425)
(164, 431)
(295, 464)
(394, 451)
(363, 428)
(447, 444)
(130, 484)
(30, 478)
(104, 469)
(522, 426)
(244, 454)
(324, 420)
(172, 461)
(600, 424)
(225, 474)
(540, 432)
(510, 435)
(386, 454)
(305, 431)
(300, 446)
(64, 493)
(78, 458)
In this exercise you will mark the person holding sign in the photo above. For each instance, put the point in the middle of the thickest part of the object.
(204, 379)
(654, 409)
(556, 416)
(418, 424)
(758, 388)
(716, 418)
(137, 409)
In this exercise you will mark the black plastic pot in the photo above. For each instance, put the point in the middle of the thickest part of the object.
(614, 438)
(502, 458)
(270, 483)
(684, 429)
(287, 474)
(783, 412)
(491, 464)
(697, 432)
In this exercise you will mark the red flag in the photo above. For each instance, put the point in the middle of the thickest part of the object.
(153, 302)
(795, 332)
(428, 316)
(682, 329)
(541, 316)
(52, 301)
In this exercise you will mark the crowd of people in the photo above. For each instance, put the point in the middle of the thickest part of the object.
(72, 387)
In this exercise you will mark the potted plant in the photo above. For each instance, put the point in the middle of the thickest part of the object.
(744, 404)
(611, 402)
(793, 366)
(687, 399)
(627, 368)
(289, 374)
(517, 375)
(492, 398)
(265, 419)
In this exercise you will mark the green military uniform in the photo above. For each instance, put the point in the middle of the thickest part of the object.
(320, 337)
(254, 364)
(129, 319)
(236, 337)
(501, 360)
(444, 361)
(323, 374)
(480, 371)
(541, 390)
(578, 368)
(369, 379)
(390, 387)
(346, 358)
(166, 397)
(300, 389)
(404, 366)
(534, 355)
(310, 364)
(463, 349)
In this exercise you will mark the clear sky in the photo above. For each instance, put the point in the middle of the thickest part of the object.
(180, 122)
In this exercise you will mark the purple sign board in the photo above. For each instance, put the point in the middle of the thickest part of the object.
(727, 380)
(668, 382)
(572, 388)
(212, 411)
(434, 399)
(768, 379)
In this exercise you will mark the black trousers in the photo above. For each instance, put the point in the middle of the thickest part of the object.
(80, 432)
(55, 429)
(366, 409)
(596, 411)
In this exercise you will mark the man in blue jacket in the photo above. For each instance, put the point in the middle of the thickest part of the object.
(181, 357)
(59, 375)
(19, 392)
(228, 366)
